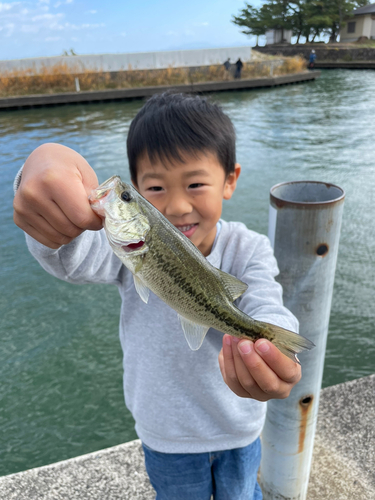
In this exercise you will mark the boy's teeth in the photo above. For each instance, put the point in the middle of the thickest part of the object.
(185, 228)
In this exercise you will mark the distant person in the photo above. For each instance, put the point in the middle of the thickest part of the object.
(239, 65)
(227, 64)
(312, 59)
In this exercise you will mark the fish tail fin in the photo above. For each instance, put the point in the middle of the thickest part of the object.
(289, 343)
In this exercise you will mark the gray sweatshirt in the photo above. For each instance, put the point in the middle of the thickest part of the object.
(177, 397)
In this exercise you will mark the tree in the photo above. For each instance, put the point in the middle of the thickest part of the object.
(308, 18)
(273, 14)
(250, 18)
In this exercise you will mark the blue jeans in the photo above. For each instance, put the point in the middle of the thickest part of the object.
(227, 475)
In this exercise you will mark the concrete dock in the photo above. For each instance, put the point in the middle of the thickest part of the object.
(343, 465)
(31, 101)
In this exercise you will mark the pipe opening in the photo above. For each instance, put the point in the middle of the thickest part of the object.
(305, 193)
(322, 250)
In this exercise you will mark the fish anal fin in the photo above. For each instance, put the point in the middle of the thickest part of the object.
(194, 333)
(233, 286)
(141, 289)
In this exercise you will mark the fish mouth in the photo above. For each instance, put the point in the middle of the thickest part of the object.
(132, 247)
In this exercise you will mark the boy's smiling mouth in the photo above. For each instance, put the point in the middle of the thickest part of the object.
(188, 229)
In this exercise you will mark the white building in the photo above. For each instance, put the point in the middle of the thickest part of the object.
(278, 36)
(361, 25)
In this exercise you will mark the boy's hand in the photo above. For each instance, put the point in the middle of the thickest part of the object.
(262, 372)
(51, 203)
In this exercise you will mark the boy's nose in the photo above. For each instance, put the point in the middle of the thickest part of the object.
(177, 206)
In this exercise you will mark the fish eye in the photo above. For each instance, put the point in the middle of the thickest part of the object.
(125, 195)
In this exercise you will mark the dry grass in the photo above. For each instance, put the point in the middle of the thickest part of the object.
(293, 65)
(61, 78)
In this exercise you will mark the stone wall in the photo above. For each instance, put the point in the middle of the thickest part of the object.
(324, 52)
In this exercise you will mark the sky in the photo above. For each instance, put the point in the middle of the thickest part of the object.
(37, 28)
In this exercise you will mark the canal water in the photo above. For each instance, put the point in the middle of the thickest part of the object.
(60, 357)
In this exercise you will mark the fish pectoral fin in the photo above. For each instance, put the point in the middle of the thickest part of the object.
(233, 286)
(194, 333)
(141, 289)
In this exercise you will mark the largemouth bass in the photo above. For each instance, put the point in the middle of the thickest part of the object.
(165, 261)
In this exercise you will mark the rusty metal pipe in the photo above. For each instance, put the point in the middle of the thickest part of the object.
(304, 229)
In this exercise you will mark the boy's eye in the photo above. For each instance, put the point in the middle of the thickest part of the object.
(195, 185)
(155, 188)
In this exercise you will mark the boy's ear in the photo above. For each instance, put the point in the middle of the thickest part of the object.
(231, 182)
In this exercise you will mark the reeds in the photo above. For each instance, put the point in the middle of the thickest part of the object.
(61, 78)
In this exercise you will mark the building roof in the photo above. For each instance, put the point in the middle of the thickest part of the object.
(367, 9)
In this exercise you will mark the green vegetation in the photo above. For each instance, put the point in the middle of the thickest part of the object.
(307, 18)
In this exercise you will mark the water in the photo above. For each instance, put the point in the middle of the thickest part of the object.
(60, 357)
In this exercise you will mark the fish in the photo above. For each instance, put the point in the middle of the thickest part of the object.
(162, 259)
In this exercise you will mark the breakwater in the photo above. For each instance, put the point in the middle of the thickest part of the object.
(334, 55)
(140, 92)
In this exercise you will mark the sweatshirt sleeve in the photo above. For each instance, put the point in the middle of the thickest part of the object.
(87, 259)
(255, 264)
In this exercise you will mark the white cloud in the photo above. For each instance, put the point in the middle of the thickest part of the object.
(5, 6)
(57, 4)
(91, 11)
(9, 29)
(202, 24)
(52, 38)
(48, 17)
(75, 27)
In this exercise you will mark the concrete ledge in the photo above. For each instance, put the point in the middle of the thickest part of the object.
(112, 474)
(136, 93)
(343, 465)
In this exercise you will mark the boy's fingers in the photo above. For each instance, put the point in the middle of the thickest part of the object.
(244, 376)
(53, 224)
(34, 233)
(56, 182)
(285, 368)
(243, 383)
(270, 384)
(55, 229)
(228, 370)
(72, 200)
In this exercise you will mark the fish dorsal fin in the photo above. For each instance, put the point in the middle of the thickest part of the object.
(194, 333)
(233, 286)
(141, 289)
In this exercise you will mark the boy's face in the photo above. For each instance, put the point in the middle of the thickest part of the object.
(189, 194)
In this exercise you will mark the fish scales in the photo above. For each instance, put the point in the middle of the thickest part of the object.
(172, 270)
(164, 261)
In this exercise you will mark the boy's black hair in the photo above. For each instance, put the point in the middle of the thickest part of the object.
(171, 124)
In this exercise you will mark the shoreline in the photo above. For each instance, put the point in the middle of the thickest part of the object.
(31, 101)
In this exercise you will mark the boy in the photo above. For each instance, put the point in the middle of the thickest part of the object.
(198, 436)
